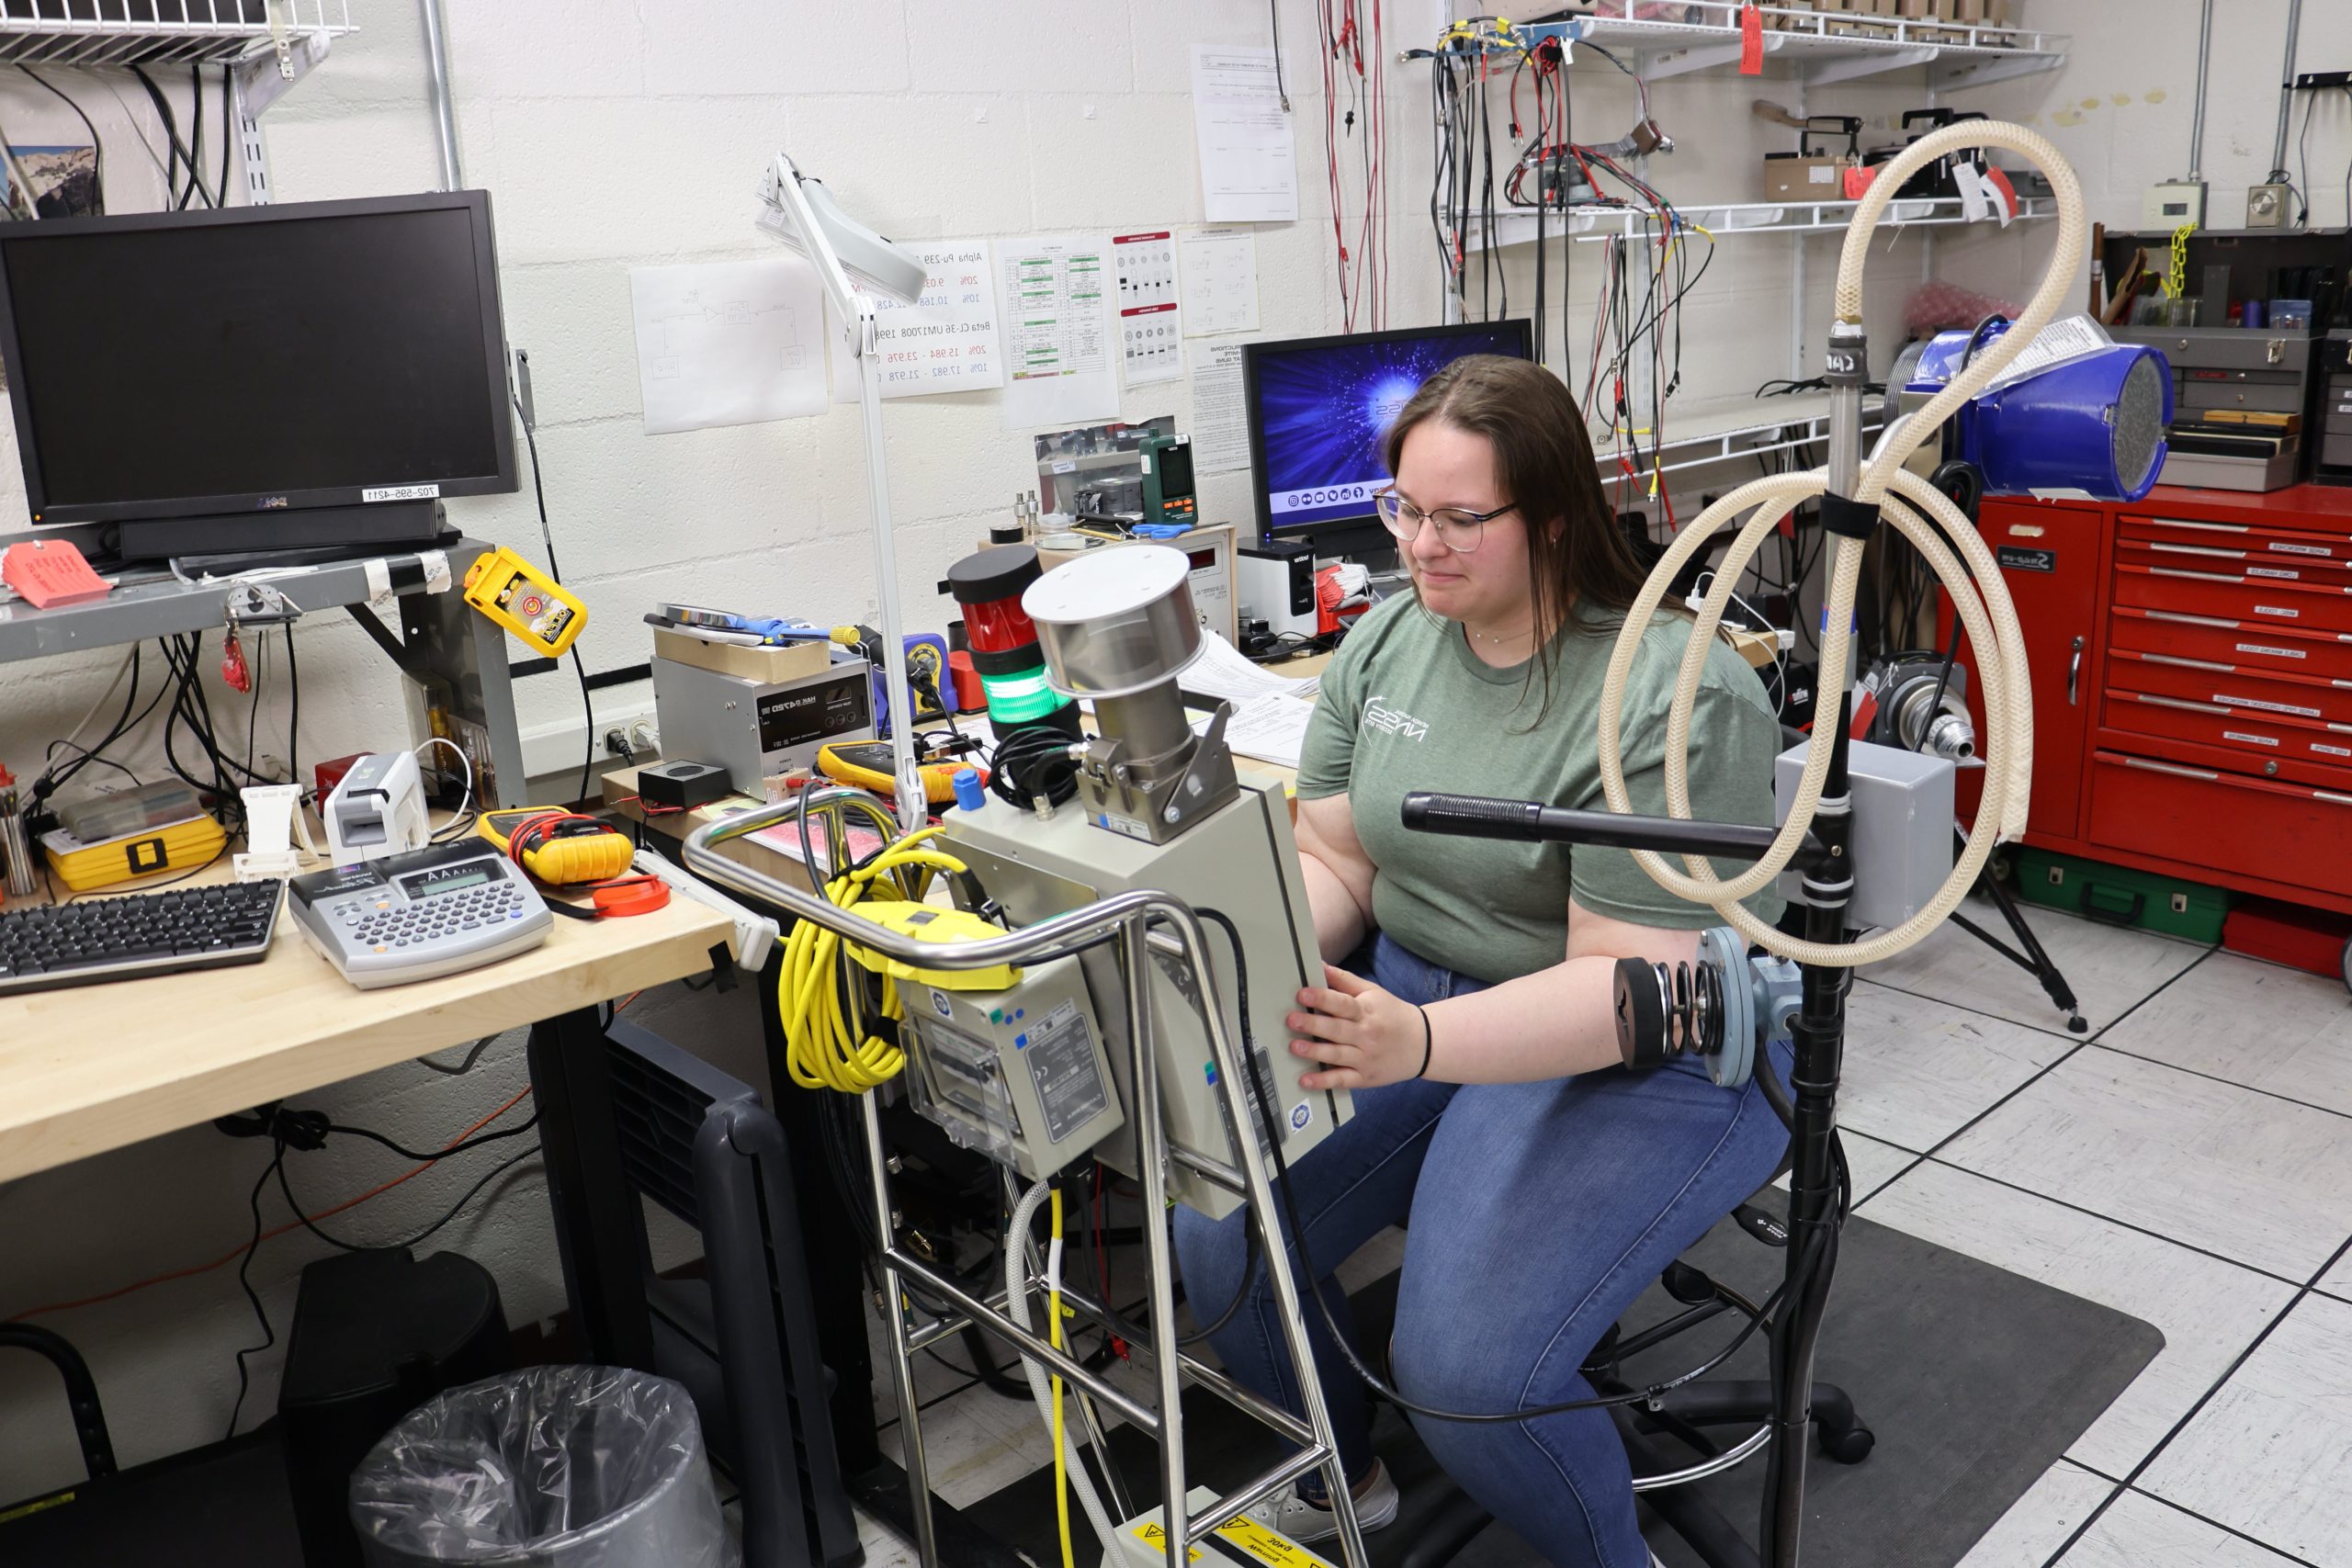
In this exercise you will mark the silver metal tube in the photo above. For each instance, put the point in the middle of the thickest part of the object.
(902, 1366)
(1290, 1469)
(1215, 1169)
(2286, 88)
(1032, 1344)
(1152, 722)
(2204, 66)
(1151, 1149)
(1230, 1068)
(436, 51)
(1714, 1466)
(1199, 1373)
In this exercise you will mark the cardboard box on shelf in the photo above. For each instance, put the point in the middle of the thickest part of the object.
(772, 665)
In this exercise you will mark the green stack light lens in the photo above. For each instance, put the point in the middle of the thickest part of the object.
(1021, 699)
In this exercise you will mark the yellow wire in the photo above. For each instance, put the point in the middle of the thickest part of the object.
(1054, 1337)
(828, 1045)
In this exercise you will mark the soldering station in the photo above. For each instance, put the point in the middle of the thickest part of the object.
(1517, 912)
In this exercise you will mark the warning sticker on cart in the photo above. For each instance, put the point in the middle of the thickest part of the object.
(1240, 1539)
(1059, 1049)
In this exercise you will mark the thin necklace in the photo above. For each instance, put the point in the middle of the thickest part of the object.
(1505, 637)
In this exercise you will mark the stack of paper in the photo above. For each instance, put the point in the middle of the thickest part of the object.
(1271, 728)
(1221, 670)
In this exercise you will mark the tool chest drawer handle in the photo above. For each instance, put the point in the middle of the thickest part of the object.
(2074, 673)
(2205, 774)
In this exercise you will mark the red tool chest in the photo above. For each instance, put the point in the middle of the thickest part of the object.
(2192, 682)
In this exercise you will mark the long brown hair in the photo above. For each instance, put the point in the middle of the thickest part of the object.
(1545, 464)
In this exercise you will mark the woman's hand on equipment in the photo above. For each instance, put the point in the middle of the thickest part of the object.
(1361, 1037)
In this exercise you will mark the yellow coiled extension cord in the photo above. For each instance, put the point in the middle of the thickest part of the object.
(828, 1044)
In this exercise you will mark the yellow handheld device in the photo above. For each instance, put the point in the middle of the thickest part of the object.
(545, 615)
(867, 764)
(560, 847)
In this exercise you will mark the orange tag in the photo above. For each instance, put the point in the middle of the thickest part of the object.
(50, 571)
(1751, 40)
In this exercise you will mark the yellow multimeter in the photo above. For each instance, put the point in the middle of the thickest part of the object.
(867, 764)
(537, 609)
(565, 849)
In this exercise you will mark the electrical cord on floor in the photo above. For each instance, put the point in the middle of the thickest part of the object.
(1263, 1096)
(450, 1214)
(244, 1283)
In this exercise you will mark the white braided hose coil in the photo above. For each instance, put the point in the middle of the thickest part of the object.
(1979, 595)
(1016, 1307)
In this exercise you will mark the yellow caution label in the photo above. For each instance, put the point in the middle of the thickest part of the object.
(1261, 1544)
(1151, 1535)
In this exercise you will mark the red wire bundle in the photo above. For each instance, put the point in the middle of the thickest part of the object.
(1354, 56)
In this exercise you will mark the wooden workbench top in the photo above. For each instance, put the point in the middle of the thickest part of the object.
(93, 1067)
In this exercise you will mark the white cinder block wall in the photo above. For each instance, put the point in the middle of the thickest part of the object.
(613, 133)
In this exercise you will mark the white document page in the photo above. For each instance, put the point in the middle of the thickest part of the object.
(1220, 425)
(947, 340)
(1248, 165)
(1151, 319)
(1219, 271)
(1272, 729)
(1221, 669)
(728, 343)
(1058, 337)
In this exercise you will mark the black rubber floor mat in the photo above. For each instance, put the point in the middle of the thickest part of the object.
(1975, 1381)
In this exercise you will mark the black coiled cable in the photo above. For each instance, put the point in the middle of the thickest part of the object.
(1033, 761)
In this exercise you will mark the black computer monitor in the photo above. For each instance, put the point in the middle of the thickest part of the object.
(258, 378)
(1318, 409)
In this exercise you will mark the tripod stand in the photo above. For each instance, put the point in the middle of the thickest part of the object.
(2034, 960)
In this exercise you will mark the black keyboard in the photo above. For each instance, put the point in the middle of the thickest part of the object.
(124, 938)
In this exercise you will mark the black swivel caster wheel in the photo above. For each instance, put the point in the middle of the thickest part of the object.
(1851, 1446)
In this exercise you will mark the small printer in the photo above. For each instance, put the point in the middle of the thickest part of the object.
(378, 809)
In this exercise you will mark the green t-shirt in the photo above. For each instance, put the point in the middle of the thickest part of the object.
(1406, 705)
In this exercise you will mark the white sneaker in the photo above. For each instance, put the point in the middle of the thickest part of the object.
(1307, 1523)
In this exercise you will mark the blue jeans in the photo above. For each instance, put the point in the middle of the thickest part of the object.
(1537, 1213)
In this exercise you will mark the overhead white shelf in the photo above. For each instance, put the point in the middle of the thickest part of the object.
(1821, 47)
(1587, 224)
(1750, 427)
(166, 32)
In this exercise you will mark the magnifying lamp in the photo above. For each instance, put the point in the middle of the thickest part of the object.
(854, 264)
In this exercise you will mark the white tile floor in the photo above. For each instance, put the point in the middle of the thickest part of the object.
(2189, 1162)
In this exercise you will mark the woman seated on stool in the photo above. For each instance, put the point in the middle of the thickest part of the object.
(1544, 1186)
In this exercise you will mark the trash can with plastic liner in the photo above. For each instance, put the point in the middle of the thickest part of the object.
(553, 1467)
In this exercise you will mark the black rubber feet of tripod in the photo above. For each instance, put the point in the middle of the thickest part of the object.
(1845, 1444)
(2078, 1025)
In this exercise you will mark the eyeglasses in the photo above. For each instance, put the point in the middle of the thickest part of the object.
(1457, 530)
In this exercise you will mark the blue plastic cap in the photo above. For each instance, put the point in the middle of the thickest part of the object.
(969, 793)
